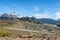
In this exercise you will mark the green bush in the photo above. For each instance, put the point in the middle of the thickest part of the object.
(2, 34)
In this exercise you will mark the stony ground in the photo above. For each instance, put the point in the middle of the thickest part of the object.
(18, 38)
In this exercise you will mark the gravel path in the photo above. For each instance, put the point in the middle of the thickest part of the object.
(21, 29)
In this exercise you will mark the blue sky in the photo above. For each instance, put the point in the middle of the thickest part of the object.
(36, 8)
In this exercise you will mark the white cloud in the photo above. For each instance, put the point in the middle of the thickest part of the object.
(57, 15)
(36, 8)
(45, 15)
(20, 16)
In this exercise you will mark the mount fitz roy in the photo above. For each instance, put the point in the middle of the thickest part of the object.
(41, 20)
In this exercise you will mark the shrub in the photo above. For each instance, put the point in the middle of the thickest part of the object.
(2, 34)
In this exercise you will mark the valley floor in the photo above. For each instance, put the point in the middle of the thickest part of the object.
(19, 35)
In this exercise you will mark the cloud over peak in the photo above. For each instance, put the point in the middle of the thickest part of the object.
(45, 15)
(57, 14)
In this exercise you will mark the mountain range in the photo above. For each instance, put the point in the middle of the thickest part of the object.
(30, 19)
